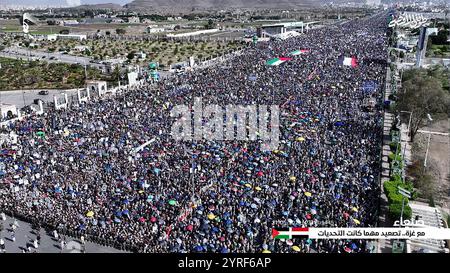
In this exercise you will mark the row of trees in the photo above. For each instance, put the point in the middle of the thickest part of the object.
(424, 91)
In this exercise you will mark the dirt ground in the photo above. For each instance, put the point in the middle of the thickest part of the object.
(438, 162)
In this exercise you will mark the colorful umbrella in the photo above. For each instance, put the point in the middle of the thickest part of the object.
(90, 214)
(257, 188)
(308, 194)
(266, 251)
(355, 209)
(172, 202)
(300, 139)
(356, 221)
(296, 248)
(211, 216)
(293, 178)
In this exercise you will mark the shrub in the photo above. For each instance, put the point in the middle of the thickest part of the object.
(393, 146)
(395, 157)
(395, 210)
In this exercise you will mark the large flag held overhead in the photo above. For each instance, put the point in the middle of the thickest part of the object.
(299, 52)
(348, 61)
(277, 61)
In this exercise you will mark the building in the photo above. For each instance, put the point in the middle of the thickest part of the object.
(431, 217)
(116, 21)
(194, 33)
(79, 37)
(70, 22)
(155, 29)
(373, 3)
(140, 55)
(134, 20)
(7, 110)
(81, 48)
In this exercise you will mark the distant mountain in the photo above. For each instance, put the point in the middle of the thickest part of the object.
(110, 6)
(217, 4)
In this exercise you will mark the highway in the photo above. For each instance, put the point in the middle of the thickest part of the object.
(21, 98)
(54, 57)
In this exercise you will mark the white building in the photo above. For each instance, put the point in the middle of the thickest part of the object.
(79, 37)
(140, 55)
(70, 22)
(81, 48)
(134, 20)
(155, 29)
(116, 21)
(7, 110)
(373, 3)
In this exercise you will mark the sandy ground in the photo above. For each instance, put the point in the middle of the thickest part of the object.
(438, 163)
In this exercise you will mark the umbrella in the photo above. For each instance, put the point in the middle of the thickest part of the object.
(257, 188)
(172, 202)
(355, 209)
(266, 251)
(296, 248)
(300, 139)
(153, 219)
(248, 185)
(289, 242)
(190, 227)
(308, 194)
(142, 219)
(293, 178)
(90, 214)
(356, 221)
(211, 216)
(117, 220)
(224, 250)
(198, 248)
(40, 133)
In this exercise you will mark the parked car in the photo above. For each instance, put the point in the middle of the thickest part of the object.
(43, 92)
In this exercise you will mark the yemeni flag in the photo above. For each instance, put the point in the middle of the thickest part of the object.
(299, 52)
(277, 61)
(348, 61)
(289, 233)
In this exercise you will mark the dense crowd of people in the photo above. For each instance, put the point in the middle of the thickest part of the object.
(77, 169)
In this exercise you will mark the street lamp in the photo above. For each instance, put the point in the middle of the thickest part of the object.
(428, 143)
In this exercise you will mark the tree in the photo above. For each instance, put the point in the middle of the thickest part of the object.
(210, 24)
(130, 55)
(422, 94)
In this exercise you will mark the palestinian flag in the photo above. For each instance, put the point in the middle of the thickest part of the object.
(348, 61)
(299, 52)
(277, 61)
(289, 233)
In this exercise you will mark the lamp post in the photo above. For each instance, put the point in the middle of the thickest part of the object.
(408, 130)
(430, 119)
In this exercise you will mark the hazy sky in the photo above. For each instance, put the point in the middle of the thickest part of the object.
(61, 2)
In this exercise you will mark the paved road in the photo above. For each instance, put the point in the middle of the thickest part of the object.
(25, 236)
(26, 54)
(21, 98)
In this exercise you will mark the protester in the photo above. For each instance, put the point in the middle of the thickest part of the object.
(75, 170)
